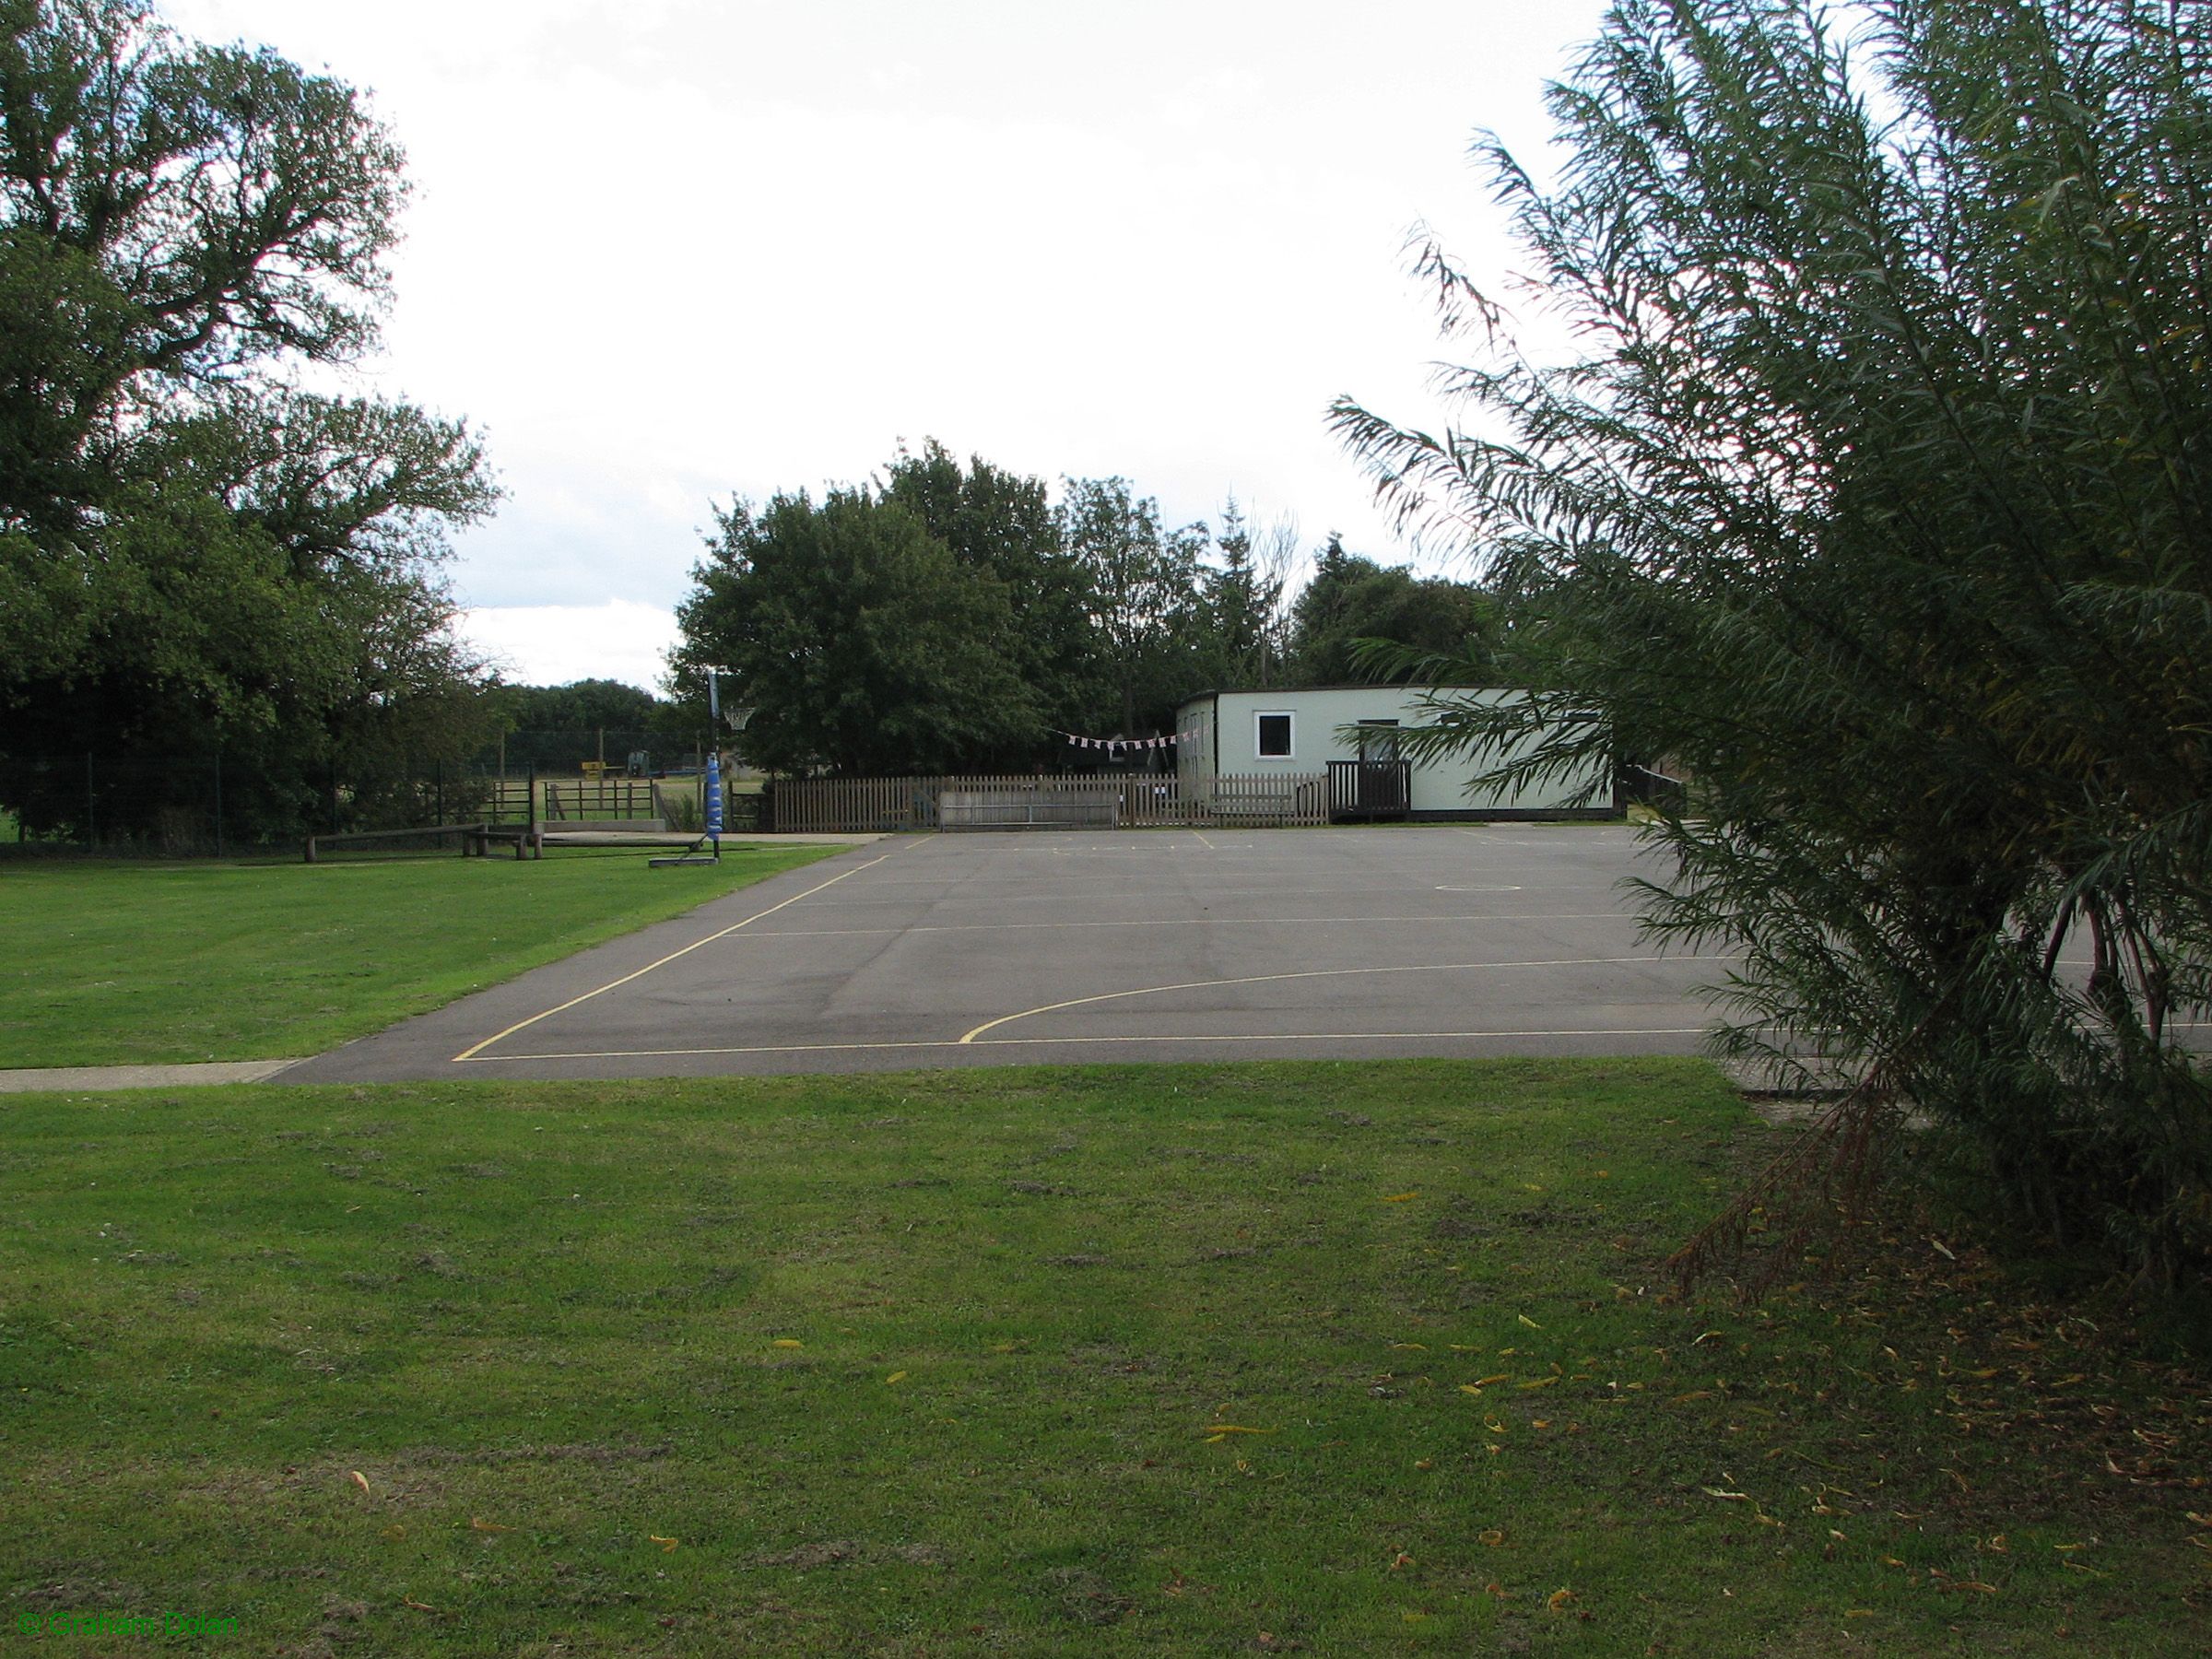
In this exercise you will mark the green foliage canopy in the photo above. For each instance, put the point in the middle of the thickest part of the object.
(194, 549)
(1001, 525)
(865, 645)
(1353, 603)
(1878, 493)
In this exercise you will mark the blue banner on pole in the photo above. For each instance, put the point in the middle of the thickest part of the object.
(714, 799)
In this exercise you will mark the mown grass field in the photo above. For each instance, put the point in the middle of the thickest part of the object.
(1317, 1359)
(110, 962)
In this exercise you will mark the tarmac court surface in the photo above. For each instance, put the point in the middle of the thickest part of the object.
(1055, 947)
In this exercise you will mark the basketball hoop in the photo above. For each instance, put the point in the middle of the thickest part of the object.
(737, 715)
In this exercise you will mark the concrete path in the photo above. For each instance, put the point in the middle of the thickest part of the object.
(58, 1077)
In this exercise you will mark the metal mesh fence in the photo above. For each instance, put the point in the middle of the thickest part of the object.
(166, 804)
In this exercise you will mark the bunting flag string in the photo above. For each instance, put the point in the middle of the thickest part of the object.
(1115, 745)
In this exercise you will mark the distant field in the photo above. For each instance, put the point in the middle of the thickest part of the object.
(1320, 1358)
(122, 962)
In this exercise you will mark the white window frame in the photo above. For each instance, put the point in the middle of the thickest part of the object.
(1290, 748)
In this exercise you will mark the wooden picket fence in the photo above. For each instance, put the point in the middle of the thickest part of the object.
(1111, 800)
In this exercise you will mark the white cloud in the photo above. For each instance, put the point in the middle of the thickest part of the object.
(664, 253)
(556, 644)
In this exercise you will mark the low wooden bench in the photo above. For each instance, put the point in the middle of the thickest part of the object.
(475, 839)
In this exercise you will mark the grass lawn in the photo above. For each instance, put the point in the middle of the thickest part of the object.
(116, 963)
(1358, 1359)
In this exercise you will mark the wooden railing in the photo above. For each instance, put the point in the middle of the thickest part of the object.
(1369, 789)
(571, 798)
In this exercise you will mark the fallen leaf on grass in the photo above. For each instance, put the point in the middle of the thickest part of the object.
(408, 1601)
(667, 1545)
(475, 1525)
(1399, 1198)
(1492, 1538)
(1498, 1376)
(359, 1479)
(1526, 1320)
(1470, 1388)
(2200, 1520)
(394, 1531)
(1222, 1430)
(1539, 1383)
(1725, 1497)
(1858, 1612)
(1418, 1346)
(1557, 1599)
(895, 1377)
(787, 1342)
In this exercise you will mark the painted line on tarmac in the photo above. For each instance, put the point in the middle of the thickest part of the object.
(862, 933)
(520, 1025)
(945, 1042)
(1261, 979)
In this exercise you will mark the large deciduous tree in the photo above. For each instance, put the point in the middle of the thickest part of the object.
(1877, 490)
(1144, 595)
(1352, 603)
(865, 646)
(1002, 524)
(193, 548)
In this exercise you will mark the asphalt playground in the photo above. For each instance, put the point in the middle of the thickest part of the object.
(1052, 946)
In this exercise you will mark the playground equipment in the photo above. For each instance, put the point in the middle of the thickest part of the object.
(713, 838)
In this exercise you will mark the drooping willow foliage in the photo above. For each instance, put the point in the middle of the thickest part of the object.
(1875, 493)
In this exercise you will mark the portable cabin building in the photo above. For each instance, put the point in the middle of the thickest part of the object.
(1351, 734)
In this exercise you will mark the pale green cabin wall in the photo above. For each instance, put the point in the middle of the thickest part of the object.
(1317, 739)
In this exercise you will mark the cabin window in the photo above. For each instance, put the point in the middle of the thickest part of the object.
(1273, 736)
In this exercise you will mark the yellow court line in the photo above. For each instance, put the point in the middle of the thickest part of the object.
(1261, 979)
(938, 1042)
(1203, 841)
(470, 1053)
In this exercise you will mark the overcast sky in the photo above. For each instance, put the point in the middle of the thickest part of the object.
(664, 252)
